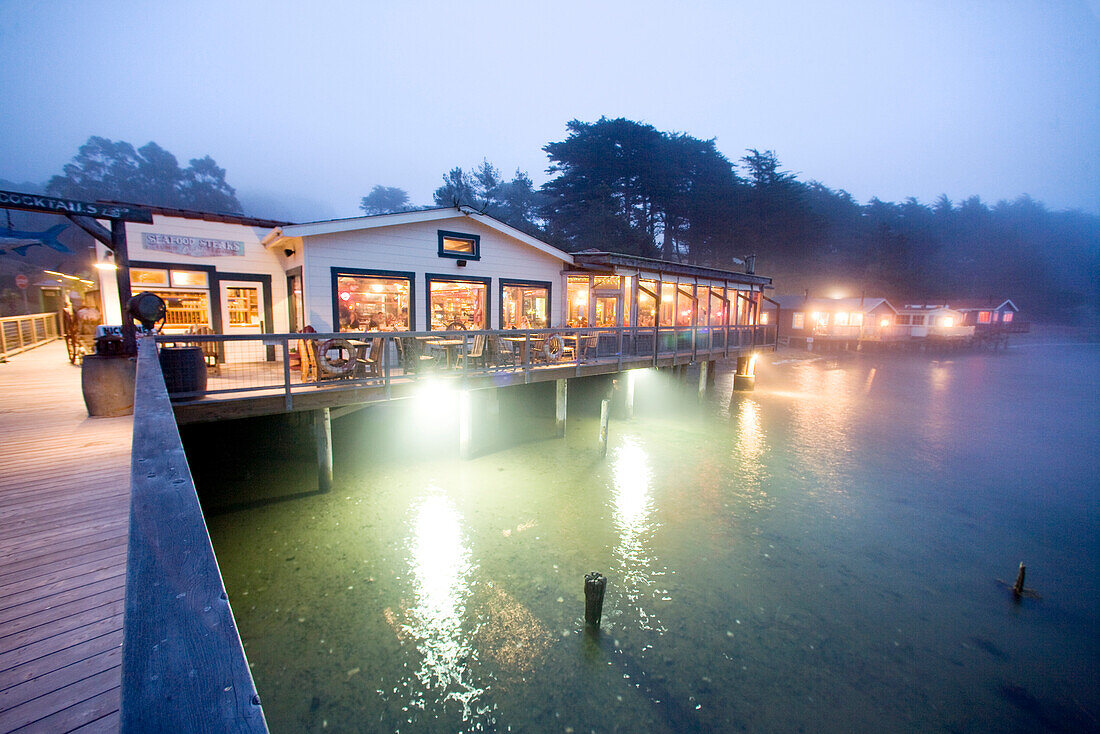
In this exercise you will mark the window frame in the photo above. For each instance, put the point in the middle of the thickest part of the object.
(503, 283)
(336, 273)
(429, 278)
(474, 239)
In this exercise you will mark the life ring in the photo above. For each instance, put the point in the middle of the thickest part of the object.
(553, 348)
(339, 366)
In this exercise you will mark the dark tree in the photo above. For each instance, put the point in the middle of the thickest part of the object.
(114, 171)
(384, 200)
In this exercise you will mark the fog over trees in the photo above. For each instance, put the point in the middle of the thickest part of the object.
(625, 186)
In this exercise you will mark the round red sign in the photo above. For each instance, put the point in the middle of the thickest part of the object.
(21, 281)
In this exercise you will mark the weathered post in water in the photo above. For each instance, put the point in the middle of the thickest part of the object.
(605, 413)
(561, 393)
(631, 376)
(703, 380)
(322, 430)
(1018, 587)
(594, 586)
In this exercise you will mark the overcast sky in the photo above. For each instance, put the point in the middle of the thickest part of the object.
(309, 105)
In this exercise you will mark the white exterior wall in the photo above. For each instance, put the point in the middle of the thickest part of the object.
(257, 260)
(414, 247)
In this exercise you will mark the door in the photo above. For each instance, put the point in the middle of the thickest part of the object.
(241, 314)
(607, 308)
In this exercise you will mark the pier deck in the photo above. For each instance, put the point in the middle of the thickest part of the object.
(64, 513)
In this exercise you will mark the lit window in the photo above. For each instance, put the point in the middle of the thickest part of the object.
(798, 320)
(373, 303)
(456, 304)
(856, 319)
(1006, 316)
(460, 246)
(147, 276)
(764, 317)
(576, 297)
(188, 279)
(524, 306)
(984, 317)
(841, 318)
(947, 321)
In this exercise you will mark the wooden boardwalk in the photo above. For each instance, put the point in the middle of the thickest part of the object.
(64, 513)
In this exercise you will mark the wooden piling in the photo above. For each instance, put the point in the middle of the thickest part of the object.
(630, 377)
(560, 401)
(1018, 587)
(703, 380)
(322, 431)
(594, 586)
(605, 414)
(465, 426)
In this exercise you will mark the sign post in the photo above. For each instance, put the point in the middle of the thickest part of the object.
(118, 214)
(21, 284)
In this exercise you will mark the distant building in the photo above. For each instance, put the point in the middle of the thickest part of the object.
(939, 321)
(802, 320)
(990, 315)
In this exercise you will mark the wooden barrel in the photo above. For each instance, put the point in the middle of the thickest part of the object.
(107, 383)
(184, 370)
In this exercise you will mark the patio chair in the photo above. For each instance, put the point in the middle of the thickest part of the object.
(411, 355)
(372, 364)
(476, 353)
(586, 347)
(504, 354)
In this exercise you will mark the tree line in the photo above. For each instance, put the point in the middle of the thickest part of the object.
(624, 186)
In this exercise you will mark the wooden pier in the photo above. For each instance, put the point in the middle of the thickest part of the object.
(64, 514)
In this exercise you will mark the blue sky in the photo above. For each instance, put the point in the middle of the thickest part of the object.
(310, 105)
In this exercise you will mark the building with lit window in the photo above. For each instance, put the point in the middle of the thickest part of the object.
(804, 321)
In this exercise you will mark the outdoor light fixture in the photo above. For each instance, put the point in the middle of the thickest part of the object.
(461, 263)
(288, 252)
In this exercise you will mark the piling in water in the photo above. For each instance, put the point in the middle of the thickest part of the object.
(1018, 587)
(594, 586)
(605, 414)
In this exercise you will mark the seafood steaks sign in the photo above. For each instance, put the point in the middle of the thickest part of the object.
(70, 207)
(193, 246)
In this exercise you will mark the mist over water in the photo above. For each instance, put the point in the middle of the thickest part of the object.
(820, 554)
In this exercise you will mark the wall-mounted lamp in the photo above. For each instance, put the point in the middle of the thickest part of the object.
(461, 263)
(288, 252)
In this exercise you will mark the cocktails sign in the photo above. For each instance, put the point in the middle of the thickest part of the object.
(69, 207)
(192, 246)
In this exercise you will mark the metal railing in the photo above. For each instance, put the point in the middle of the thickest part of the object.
(240, 365)
(20, 333)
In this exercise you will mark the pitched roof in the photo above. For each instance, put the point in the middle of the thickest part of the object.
(596, 259)
(166, 211)
(982, 304)
(864, 305)
(352, 224)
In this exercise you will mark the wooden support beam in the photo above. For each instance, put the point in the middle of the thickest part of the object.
(465, 424)
(94, 228)
(560, 399)
(322, 431)
(631, 376)
(605, 414)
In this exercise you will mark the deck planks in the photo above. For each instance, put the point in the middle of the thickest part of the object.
(64, 514)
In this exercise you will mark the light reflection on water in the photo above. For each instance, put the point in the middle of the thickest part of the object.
(819, 554)
(442, 571)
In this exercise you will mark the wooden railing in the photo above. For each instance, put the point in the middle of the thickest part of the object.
(183, 665)
(20, 333)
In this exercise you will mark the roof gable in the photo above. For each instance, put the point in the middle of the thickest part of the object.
(396, 219)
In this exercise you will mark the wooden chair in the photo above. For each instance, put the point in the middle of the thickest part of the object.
(476, 352)
(372, 364)
(586, 346)
(209, 348)
(502, 351)
(411, 355)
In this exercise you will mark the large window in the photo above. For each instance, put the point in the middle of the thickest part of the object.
(576, 299)
(185, 294)
(647, 303)
(457, 304)
(798, 320)
(719, 307)
(524, 305)
(374, 302)
(459, 245)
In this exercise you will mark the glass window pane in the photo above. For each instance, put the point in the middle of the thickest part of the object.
(370, 303)
(668, 304)
(185, 309)
(525, 307)
(647, 304)
(458, 245)
(147, 276)
(605, 283)
(457, 305)
(188, 279)
(576, 299)
(243, 306)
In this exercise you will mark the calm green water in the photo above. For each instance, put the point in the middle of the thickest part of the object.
(819, 555)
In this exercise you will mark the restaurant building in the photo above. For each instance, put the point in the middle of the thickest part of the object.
(426, 270)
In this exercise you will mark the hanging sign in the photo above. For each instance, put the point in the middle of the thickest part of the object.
(191, 246)
(20, 281)
(69, 207)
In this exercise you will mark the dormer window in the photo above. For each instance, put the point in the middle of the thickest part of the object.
(460, 246)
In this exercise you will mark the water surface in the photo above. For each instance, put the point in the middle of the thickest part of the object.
(822, 554)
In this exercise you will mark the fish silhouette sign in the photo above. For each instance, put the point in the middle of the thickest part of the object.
(19, 240)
